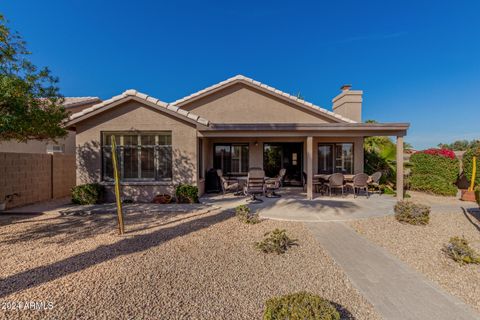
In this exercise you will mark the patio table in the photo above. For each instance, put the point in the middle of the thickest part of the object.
(325, 177)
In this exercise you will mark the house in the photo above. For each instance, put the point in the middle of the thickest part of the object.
(64, 145)
(234, 125)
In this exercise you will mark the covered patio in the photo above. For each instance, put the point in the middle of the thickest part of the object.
(253, 139)
(293, 206)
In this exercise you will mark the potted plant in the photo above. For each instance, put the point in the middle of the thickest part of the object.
(162, 198)
(477, 194)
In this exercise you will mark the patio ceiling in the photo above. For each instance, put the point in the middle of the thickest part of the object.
(305, 129)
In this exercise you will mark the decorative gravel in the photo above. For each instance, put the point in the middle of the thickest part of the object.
(421, 246)
(176, 265)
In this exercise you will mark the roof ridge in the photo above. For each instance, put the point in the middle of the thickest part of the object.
(143, 96)
(240, 77)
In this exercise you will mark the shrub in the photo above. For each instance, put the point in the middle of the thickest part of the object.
(276, 241)
(301, 305)
(186, 193)
(468, 163)
(244, 215)
(412, 213)
(435, 171)
(91, 193)
(432, 184)
(459, 250)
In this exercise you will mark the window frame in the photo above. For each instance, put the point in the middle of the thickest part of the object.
(334, 155)
(239, 158)
(121, 148)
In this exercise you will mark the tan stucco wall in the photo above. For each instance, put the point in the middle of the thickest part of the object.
(134, 116)
(33, 146)
(242, 104)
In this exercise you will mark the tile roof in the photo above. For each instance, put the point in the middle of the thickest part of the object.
(251, 82)
(76, 101)
(142, 96)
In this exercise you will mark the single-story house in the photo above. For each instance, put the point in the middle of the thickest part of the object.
(234, 125)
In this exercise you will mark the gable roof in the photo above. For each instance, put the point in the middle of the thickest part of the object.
(265, 88)
(132, 94)
(69, 102)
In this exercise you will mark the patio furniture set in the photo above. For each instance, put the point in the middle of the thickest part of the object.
(257, 184)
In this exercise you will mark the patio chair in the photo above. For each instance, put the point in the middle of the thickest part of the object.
(273, 184)
(255, 184)
(335, 182)
(360, 181)
(227, 185)
(316, 184)
(375, 180)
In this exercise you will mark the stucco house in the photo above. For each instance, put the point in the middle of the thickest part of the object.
(65, 145)
(234, 125)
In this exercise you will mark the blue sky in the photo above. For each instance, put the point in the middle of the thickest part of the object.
(417, 61)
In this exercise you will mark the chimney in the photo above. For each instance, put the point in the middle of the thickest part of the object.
(349, 103)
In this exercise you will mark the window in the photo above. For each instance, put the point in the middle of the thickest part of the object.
(231, 158)
(335, 157)
(141, 156)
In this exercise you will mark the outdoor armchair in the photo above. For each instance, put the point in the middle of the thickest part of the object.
(227, 185)
(360, 182)
(255, 184)
(335, 182)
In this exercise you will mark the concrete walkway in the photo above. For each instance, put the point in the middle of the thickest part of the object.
(395, 290)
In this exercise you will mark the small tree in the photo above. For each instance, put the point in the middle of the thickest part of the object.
(30, 103)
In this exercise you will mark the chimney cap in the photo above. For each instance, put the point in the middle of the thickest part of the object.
(345, 87)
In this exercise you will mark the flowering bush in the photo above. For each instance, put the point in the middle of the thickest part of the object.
(435, 171)
(440, 152)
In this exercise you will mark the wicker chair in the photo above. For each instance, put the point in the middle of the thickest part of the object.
(273, 184)
(360, 181)
(317, 185)
(375, 180)
(227, 186)
(335, 182)
(255, 184)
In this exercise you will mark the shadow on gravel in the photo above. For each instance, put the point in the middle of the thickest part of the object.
(79, 262)
(475, 213)
(344, 313)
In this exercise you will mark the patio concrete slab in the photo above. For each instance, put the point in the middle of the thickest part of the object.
(293, 206)
(394, 289)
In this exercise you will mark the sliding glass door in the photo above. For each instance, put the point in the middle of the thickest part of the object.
(231, 158)
(335, 157)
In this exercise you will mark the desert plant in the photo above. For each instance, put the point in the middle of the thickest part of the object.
(468, 164)
(434, 171)
(90, 193)
(276, 241)
(244, 215)
(301, 305)
(459, 250)
(412, 213)
(186, 193)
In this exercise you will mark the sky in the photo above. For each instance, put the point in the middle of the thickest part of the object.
(416, 61)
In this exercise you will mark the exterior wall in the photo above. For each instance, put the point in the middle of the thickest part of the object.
(134, 116)
(242, 104)
(35, 177)
(33, 146)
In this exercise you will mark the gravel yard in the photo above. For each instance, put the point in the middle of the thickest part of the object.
(421, 246)
(175, 265)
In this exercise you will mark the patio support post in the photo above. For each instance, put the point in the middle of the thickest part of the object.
(309, 168)
(399, 168)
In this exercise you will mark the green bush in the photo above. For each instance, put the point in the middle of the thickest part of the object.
(434, 173)
(468, 164)
(412, 213)
(301, 305)
(244, 215)
(459, 250)
(91, 193)
(432, 184)
(186, 193)
(276, 241)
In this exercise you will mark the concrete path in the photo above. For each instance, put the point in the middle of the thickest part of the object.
(395, 290)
